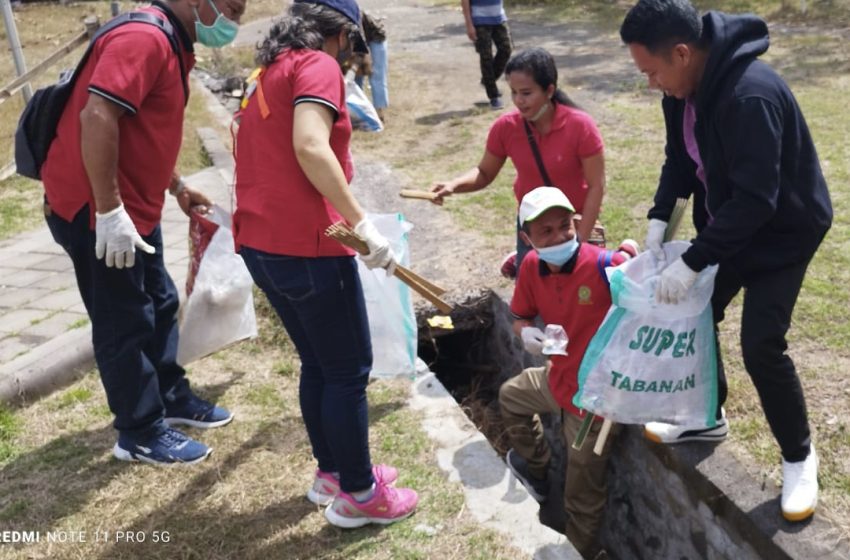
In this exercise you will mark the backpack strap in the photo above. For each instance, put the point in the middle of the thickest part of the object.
(139, 17)
(603, 261)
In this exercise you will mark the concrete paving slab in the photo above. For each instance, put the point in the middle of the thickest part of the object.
(12, 296)
(22, 278)
(57, 300)
(54, 325)
(55, 263)
(56, 281)
(10, 347)
(17, 320)
(16, 259)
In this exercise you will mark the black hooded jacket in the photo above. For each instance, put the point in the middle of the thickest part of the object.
(767, 204)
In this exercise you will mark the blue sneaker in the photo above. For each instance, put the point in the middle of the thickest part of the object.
(168, 447)
(196, 412)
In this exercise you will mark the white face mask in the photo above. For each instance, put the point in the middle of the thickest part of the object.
(558, 254)
(541, 111)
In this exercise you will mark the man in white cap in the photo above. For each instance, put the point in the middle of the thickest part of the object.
(563, 282)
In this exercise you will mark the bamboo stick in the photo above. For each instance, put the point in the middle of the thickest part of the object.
(345, 235)
(412, 193)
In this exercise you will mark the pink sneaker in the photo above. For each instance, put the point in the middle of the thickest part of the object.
(386, 506)
(326, 486)
(508, 266)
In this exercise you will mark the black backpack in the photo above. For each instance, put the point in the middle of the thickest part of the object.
(37, 125)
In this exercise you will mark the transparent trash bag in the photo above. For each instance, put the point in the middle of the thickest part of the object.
(219, 309)
(392, 323)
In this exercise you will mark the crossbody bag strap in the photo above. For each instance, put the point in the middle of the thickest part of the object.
(537, 157)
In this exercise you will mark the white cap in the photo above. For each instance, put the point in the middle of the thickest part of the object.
(539, 200)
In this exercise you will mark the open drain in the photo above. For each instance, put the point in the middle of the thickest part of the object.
(472, 359)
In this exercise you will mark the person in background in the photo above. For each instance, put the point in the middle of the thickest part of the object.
(487, 25)
(293, 167)
(561, 281)
(378, 68)
(105, 179)
(545, 123)
(738, 143)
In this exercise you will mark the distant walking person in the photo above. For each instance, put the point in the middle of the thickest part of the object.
(487, 25)
(738, 143)
(376, 39)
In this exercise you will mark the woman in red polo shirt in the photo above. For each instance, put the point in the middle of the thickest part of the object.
(293, 167)
(566, 138)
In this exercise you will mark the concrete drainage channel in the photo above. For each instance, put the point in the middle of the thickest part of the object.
(686, 502)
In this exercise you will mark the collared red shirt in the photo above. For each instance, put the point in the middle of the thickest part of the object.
(135, 67)
(278, 209)
(573, 137)
(577, 297)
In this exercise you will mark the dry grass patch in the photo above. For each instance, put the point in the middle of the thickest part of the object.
(246, 501)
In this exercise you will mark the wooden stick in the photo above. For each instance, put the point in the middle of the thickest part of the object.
(412, 193)
(403, 274)
(433, 287)
(345, 235)
(603, 435)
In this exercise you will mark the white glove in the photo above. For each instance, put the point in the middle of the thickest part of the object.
(117, 238)
(380, 253)
(532, 340)
(675, 281)
(655, 237)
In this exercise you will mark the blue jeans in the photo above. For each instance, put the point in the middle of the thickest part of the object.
(320, 302)
(378, 78)
(133, 312)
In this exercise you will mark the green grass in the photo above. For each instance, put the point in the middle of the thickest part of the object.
(74, 396)
(79, 323)
(10, 427)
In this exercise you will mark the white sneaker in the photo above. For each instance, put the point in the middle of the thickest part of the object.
(661, 432)
(800, 487)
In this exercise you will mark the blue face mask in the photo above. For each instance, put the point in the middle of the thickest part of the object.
(558, 254)
(222, 32)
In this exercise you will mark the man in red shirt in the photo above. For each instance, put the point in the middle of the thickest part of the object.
(563, 282)
(105, 179)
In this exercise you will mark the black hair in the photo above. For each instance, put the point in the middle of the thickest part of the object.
(658, 25)
(305, 26)
(540, 65)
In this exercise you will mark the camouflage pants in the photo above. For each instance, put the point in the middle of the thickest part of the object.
(492, 67)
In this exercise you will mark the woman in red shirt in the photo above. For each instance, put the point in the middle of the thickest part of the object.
(566, 138)
(293, 167)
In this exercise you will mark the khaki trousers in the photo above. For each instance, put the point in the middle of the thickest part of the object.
(522, 399)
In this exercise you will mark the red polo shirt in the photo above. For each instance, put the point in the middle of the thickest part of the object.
(577, 298)
(135, 67)
(278, 210)
(573, 137)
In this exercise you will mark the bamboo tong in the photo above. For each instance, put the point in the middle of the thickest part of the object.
(584, 429)
(345, 235)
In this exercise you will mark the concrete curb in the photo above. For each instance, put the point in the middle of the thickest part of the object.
(51, 366)
(493, 496)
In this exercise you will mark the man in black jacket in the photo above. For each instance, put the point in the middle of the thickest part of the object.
(738, 143)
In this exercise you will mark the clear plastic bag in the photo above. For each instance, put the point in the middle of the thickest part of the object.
(220, 307)
(651, 361)
(392, 323)
(362, 112)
